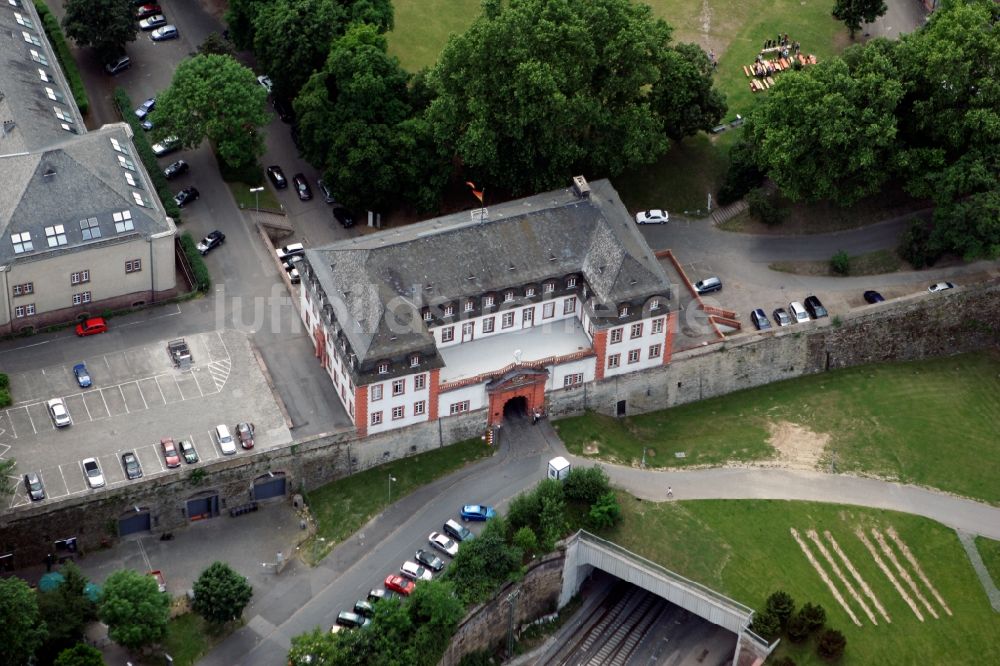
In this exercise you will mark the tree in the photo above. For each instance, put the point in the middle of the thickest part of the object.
(766, 625)
(552, 523)
(106, 25)
(605, 512)
(831, 645)
(221, 594)
(829, 132)
(80, 654)
(684, 95)
(320, 647)
(483, 563)
(378, 13)
(840, 263)
(21, 627)
(7, 465)
(586, 484)
(240, 18)
(797, 628)
(814, 615)
(854, 12)
(217, 98)
(782, 605)
(66, 610)
(538, 90)
(134, 609)
(435, 611)
(215, 44)
(526, 540)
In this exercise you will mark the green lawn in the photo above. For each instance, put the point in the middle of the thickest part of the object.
(341, 508)
(248, 200)
(989, 550)
(189, 637)
(929, 422)
(745, 550)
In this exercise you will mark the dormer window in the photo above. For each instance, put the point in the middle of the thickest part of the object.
(427, 315)
(449, 310)
(383, 368)
(415, 360)
(529, 292)
(508, 297)
(469, 305)
(488, 301)
(654, 304)
(623, 311)
(571, 282)
(548, 287)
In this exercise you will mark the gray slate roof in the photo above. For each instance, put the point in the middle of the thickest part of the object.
(67, 182)
(376, 284)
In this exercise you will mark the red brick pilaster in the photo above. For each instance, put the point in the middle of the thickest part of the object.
(361, 410)
(601, 349)
(433, 385)
(668, 340)
(319, 337)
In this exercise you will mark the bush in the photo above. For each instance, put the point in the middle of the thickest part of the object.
(4, 380)
(797, 629)
(762, 207)
(202, 279)
(586, 485)
(782, 605)
(814, 615)
(55, 34)
(249, 173)
(5, 400)
(124, 104)
(766, 625)
(831, 645)
(917, 248)
(526, 540)
(742, 176)
(840, 263)
(605, 512)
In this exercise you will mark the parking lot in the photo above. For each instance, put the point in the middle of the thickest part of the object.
(137, 397)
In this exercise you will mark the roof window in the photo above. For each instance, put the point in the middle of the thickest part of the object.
(90, 228)
(123, 221)
(22, 242)
(55, 235)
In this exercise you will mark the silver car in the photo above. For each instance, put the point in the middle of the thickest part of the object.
(92, 470)
(59, 413)
(225, 440)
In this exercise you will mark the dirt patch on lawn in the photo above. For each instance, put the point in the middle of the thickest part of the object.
(796, 447)
(591, 449)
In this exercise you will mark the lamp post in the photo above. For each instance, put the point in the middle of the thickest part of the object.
(256, 197)
(389, 499)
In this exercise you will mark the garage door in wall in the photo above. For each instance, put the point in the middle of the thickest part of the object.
(203, 507)
(267, 487)
(134, 522)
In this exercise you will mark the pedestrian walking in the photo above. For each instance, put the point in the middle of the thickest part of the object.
(49, 561)
(670, 492)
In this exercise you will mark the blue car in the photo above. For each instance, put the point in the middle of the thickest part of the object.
(477, 512)
(82, 376)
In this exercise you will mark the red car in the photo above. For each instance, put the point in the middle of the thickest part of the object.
(170, 455)
(91, 327)
(244, 433)
(399, 584)
(147, 10)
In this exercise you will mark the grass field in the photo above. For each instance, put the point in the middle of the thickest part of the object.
(341, 508)
(189, 637)
(989, 550)
(745, 549)
(929, 422)
(878, 262)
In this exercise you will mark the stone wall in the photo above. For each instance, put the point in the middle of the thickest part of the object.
(485, 626)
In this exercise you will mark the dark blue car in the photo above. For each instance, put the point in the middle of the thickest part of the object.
(477, 512)
(82, 376)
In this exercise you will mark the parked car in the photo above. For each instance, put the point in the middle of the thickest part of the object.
(175, 169)
(429, 560)
(284, 109)
(457, 532)
(170, 455)
(302, 187)
(213, 240)
(873, 297)
(131, 465)
(352, 620)
(164, 33)
(708, 285)
(33, 486)
(325, 190)
(82, 376)
(940, 286)
(92, 472)
(415, 571)
(265, 81)
(364, 608)
(92, 326)
(225, 440)
(759, 319)
(154, 21)
(186, 196)
(145, 108)
(477, 512)
(188, 451)
(798, 312)
(244, 433)
(59, 413)
(344, 216)
(291, 266)
(146, 124)
(167, 146)
(146, 11)
(443, 543)
(781, 318)
(815, 308)
(118, 65)
(655, 216)
(290, 250)
(377, 594)
(277, 176)
(399, 584)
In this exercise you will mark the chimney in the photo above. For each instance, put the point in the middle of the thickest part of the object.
(580, 187)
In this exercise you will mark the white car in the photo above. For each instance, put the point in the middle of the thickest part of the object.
(265, 81)
(655, 216)
(798, 313)
(443, 543)
(92, 470)
(289, 251)
(225, 440)
(940, 286)
(414, 571)
(59, 413)
(168, 145)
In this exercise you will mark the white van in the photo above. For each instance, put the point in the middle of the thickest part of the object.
(225, 440)
(799, 314)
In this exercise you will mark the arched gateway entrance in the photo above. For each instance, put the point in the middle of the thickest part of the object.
(518, 390)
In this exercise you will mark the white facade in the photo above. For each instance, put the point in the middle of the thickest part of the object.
(627, 352)
(389, 409)
(474, 394)
(505, 320)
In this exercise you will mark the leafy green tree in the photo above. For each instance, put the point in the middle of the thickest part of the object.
(586, 484)
(831, 645)
(797, 628)
(524, 510)
(855, 12)
(221, 594)
(829, 132)
(378, 13)
(605, 512)
(766, 625)
(240, 17)
(134, 609)
(80, 654)
(214, 44)
(814, 615)
(840, 263)
(483, 563)
(216, 98)
(552, 523)
(743, 174)
(21, 627)
(970, 226)
(66, 610)
(526, 540)
(320, 647)
(538, 90)
(435, 611)
(684, 95)
(106, 25)
(7, 466)
(782, 605)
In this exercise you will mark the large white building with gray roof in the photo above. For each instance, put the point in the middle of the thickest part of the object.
(81, 228)
(487, 312)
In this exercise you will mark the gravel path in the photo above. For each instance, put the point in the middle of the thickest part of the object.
(969, 543)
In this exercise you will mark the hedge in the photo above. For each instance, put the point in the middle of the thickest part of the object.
(141, 141)
(202, 280)
(55, 34)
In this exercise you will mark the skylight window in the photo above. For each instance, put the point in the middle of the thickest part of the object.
(116, 144)
(55, 235)
(30, 38)
(67, 128)
(125, 163)
(22, 21)
(39, 58)
(54, 95)
(61, 115)
(137, 196)
(123, 221)
(44, 76)
(22, 242)
(90, 228)
(130, 179)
